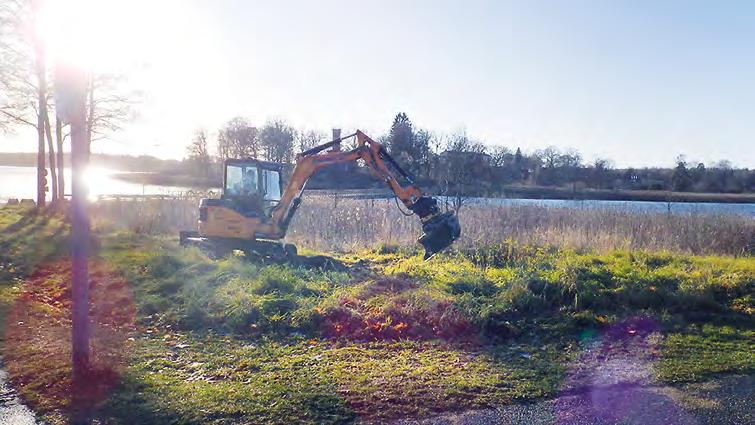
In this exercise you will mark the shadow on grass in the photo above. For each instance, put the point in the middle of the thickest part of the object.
(30, 241)
(28, 217)
(322, 262)
(206, 378)
(37, 338)
(129, 405)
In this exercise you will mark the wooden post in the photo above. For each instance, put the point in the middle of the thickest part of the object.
(70, 93)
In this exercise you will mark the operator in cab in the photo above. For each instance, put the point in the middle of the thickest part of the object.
(246, 193)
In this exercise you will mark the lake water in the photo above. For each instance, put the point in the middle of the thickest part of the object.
(644, 206)
(20, 182)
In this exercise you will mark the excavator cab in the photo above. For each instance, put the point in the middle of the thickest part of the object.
(242, 218)
(251, 187)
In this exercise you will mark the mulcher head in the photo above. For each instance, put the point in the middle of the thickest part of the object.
(439, 233)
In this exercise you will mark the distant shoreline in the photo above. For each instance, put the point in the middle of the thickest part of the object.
(537, 192)
(166, 178)
(514, 192)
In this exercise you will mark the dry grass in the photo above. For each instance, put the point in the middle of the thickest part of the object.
(352, 224)
(332, 224)
(148, 216)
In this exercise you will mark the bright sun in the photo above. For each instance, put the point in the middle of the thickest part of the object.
(104, 34)
(165, 49)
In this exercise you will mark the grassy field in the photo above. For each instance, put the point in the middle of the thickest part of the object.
(377, 335)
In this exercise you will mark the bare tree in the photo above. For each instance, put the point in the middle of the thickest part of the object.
(51, 150)
(198, 152)
(198, 146)
(23, 78)
(40, 68)
(110, 104)
(17, 76)
(26, 94)
(601, 172)
(237, 139)
(550, 156)
(224, 147)
(462, 169)
(277, 141)
(423, 140)
(309, 139)
(61, 169)
(500, 155)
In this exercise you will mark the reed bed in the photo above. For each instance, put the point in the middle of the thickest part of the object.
(148, 216)
(335, 224)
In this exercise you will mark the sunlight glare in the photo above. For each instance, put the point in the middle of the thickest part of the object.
(93, 178)
(164, 50)
(104, 34)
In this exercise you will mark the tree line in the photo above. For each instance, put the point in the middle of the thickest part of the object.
(455, 164)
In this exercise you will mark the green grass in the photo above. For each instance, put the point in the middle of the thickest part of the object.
(323, 381)
(26, 241)
(699, 352)
(223, 341)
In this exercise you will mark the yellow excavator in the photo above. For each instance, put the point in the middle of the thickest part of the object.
(254, 210)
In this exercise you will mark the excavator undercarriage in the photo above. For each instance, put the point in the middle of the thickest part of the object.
(255, 209)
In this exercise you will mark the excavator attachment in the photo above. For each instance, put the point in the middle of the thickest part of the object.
(440, 229)
(439, 233)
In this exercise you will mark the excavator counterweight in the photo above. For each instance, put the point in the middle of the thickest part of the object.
(254, 210)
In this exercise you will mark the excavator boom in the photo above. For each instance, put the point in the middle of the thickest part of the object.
(440, 229)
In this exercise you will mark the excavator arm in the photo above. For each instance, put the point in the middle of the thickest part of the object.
(440, 229)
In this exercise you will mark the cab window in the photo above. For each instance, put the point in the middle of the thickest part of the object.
(241, 180)
(272, 183)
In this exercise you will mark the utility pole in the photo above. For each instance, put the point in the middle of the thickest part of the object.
(79, 244)
(70, 91)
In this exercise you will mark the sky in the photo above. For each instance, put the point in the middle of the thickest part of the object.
(638, 82)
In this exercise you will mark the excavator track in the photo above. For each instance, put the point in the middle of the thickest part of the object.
(264, 250)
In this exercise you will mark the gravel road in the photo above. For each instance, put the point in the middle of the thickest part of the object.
(12, 411)
(612, 382)
(728, 400)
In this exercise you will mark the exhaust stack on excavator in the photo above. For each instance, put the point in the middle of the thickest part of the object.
(255, 210)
